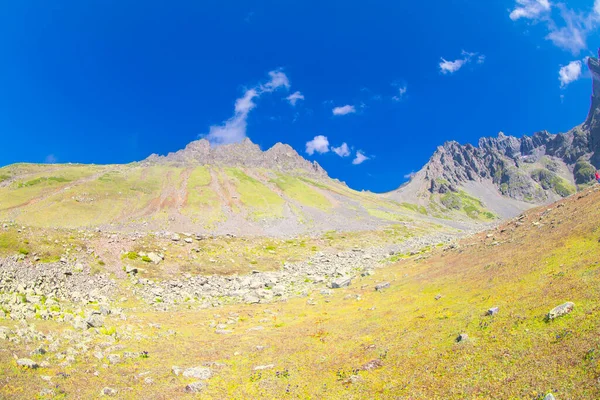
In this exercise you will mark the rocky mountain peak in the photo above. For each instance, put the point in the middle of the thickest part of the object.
(535, 169)
(243, 154)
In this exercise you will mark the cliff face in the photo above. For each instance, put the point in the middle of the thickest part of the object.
(245, 154)
(533, 169)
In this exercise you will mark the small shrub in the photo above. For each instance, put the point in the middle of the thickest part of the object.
(24, 252)
(146, 259)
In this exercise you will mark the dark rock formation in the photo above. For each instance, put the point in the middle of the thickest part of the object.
(534, 169)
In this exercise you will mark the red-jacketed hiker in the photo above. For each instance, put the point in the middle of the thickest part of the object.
(598, 176)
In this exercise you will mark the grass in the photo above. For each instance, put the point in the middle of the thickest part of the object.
(467, 204)
(259, 198)
(316, 347)
(203, 204)
(296, 189)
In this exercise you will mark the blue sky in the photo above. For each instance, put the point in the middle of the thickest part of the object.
(114, 81)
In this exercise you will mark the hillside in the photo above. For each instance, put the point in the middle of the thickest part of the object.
(414, 324)
(510, 174)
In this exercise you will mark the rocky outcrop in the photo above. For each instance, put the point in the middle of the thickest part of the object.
(244, 154)
(536, 169)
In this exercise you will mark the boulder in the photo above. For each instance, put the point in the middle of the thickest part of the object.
(381, 286)
(341, 283)
(195, 387)
(197, 372)
(561, 310)
(27, 363)
(492, 311)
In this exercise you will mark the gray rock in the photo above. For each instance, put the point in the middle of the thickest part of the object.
(492, 311)
(95, 321)
(108, 391)
(438, 296)
(195, 387)
(549, 396)
(263, 367)
(251, 299)
(561, 310)
(463, 337)
(381, 286)
(198, 373)
(27, 363)
(175, 237)
(223, 331)
(113, 358)
(341, 283)
(155, 258)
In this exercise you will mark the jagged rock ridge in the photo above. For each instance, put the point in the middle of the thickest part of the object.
(244, 154)
(533, 169)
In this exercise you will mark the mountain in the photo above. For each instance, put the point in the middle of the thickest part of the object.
(236, 188)
(509, 174)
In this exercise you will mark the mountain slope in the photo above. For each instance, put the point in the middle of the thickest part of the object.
(234, 188)
(510, 174)
(400, 341)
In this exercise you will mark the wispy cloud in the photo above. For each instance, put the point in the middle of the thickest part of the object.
(50, 159)
(233, 130)
(294, 97)
(347, 109)
(342, 151)
(319, 144)
(401, 93)
(450, 67)
(568, 30)
(569, 73)
(360, 158)
(409, 175)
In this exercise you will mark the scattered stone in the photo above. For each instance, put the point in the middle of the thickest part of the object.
(113, 358)
(195, 387)
(263, 367)
(561, 310)
(27, 363)
(155, 258)
(353, 379)
(175, 237)
(492, 311)
(198, 373)
(371, 365)
(549, 396)
(438, 296)
(95, 321)
(40, 351)
(463, 337)
(188, 240)
(108, 391)
(131, 270)
(381, 286)
(223, 331)
(341, 283)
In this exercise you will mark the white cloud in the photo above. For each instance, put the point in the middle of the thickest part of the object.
(570, 31)
(450, 67)
(278, 79)
(530, 9)
(409, 175)
(401, 92)
(360, 158)
(234, 129)
(569, 73)
(347, 109)
(294, 97)
(342, 151)
(320, 144)
(50, 159)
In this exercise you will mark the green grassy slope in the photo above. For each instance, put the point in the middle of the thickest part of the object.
(199, 197)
